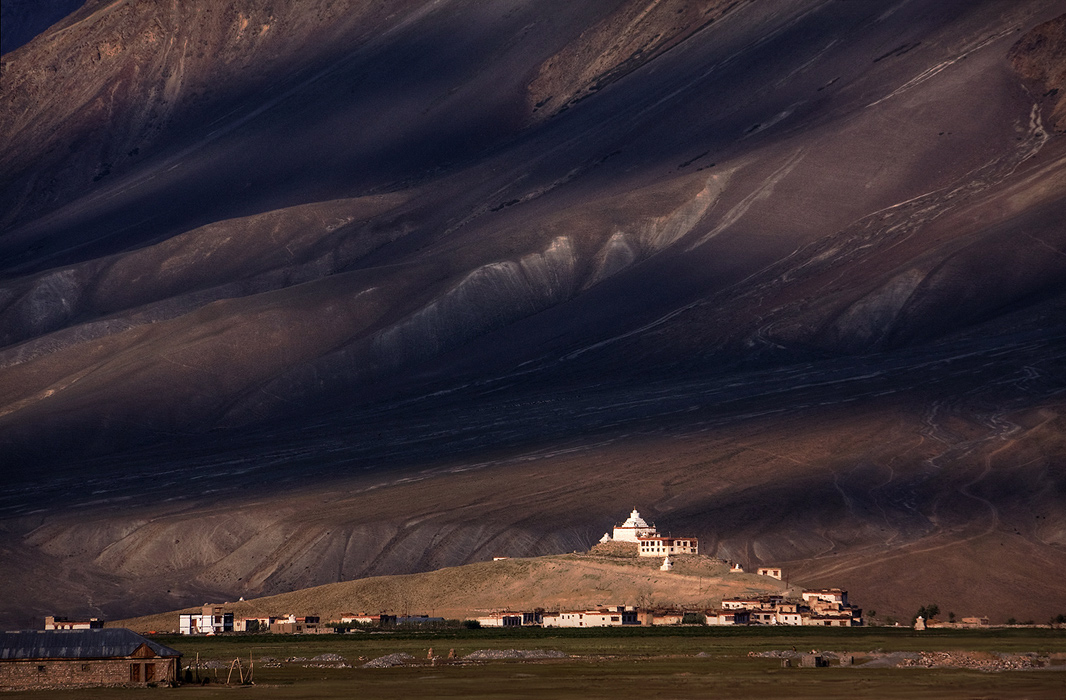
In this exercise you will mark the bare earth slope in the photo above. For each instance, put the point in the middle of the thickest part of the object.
(298, 292)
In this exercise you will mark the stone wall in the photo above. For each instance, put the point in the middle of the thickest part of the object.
(25, 675)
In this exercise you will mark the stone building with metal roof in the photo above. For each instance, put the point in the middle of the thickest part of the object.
(84, 658)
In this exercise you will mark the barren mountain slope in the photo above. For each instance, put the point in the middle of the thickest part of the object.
(481, 275)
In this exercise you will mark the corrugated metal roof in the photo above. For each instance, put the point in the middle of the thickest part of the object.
(76, 644)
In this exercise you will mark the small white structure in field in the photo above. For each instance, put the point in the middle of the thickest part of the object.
(606, 538)
(736, 569)
(919, 624)
(667, 564)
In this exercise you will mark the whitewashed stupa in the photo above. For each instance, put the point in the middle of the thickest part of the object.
(631, 530)
(668, 564)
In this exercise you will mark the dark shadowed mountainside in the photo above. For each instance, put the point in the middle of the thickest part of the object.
(298, 292)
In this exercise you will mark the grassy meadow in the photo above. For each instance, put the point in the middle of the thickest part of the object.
(687, 662)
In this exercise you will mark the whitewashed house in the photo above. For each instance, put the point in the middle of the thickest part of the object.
(210, 620)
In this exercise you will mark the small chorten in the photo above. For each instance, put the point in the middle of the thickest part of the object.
(667, 564)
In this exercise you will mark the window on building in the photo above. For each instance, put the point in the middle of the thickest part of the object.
(41, 668)
(85, 668)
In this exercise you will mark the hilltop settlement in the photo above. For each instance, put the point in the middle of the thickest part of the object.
(634, 536)
(812, 607)
(82, 653)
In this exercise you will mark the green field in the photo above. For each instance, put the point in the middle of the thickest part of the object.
(633, 663)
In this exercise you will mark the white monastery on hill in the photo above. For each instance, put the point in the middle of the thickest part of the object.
(631, 530)
(635, 529)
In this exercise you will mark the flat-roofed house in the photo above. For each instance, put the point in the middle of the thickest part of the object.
(369, 620)
(62, 623)
(760, 603)
(83, 658)
(837, 596)
(728, 617)
(658, 546)
(837, 619)
(667, 617)
(763, 617)
(788, 614)
(501, 619)
(292, 624)
(616, 616)
(210, 620)
(253, 624)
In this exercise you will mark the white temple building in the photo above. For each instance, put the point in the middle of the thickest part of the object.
(650, 543)
(633, 529)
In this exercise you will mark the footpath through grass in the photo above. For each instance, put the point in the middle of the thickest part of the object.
(686, 662)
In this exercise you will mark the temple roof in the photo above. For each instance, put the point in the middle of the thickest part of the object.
(634, 520)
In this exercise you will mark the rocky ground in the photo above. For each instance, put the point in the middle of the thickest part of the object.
(972, 660)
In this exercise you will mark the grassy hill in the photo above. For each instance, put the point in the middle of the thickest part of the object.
(552, 582)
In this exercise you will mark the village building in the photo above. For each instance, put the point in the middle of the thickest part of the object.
(763, 617)
(599, 617)
(292, 624)
(839, 619)
(829, 607)
(833, 596)
(771, 571)
(657, 546)
(512, 619)
(820, 607)
(84, 658)
(501, 619)
(63, 623)
(727, 617)
(253, 624)
(369, 620)
(788, 614)
(768, 602)
(667, 617)
(421, 620)
(211, 619)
